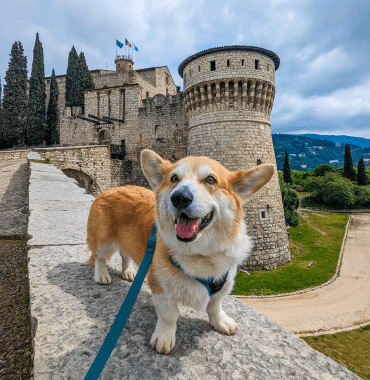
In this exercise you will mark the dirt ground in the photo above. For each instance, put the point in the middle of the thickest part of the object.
(15, 322)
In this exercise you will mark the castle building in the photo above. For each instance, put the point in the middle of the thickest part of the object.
(223, 113)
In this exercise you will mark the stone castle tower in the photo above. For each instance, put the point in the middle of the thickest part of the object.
(228, 97)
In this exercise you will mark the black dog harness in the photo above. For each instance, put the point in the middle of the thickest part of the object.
(213, 286)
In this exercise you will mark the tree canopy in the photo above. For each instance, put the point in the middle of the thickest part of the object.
(286, 171)
(15, 98)
(349, 172)
(36, 115)
(51, 132)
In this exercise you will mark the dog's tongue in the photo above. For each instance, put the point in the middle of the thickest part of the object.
(186, 228)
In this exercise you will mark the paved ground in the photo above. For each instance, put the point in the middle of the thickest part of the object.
(71, 314)
(342, 304)
(13, 198)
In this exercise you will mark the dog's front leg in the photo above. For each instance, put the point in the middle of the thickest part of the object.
(164, 336)
(217, 317)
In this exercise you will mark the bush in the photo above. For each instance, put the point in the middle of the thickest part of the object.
(290, 203)
(362, 195)
(323, 169)
(339, 194)
(298, 177)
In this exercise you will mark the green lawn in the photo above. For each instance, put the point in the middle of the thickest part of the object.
(350, 349)
(307, 244)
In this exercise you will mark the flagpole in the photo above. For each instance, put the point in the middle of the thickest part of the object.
(133, 51)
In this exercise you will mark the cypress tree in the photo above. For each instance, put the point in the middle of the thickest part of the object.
(71, 78)
(51, 132)
(361, 175)
(83, 82)
(1, 107)
(36, 116)
(286, 171)
(349, 172)
(15, 98)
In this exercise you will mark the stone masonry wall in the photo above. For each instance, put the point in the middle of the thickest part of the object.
(91, 161)
(12, 155)
(73, 131)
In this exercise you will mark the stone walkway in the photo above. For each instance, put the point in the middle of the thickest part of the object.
(340, 306)
(71, 314)
(13, 199)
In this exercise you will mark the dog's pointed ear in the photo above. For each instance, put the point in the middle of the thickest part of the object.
(247, 182)
(152, 167)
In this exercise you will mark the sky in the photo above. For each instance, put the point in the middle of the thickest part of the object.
(322, 84)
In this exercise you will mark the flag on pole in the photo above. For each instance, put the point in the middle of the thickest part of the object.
(119, 44)
(128, 43)
(135, 48)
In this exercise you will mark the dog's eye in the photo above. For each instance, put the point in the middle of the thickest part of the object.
(211, 180)
(174, 178)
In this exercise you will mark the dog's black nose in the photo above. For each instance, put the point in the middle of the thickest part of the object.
(182, 198)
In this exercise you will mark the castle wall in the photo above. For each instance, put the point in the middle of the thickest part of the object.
(149, 75)
(73, 131)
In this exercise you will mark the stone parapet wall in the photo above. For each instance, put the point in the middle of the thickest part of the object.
(89, 165)
(12, 155)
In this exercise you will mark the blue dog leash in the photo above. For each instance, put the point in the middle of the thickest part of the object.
(124, 312)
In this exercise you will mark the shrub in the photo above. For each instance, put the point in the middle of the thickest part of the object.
(362, 195)
(339, 193)
(290, 202)
(323, 169)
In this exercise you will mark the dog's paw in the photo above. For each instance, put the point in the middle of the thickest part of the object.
(225, 324)
(163, 342)
(129, 274)
(103, 278)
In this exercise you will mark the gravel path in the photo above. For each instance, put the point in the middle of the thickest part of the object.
(13, 199)
(339, 306)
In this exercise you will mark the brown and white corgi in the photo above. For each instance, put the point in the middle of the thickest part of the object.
(197, 206)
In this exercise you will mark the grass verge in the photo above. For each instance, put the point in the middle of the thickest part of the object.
(46, 161)
(350, 349)
(317, 238)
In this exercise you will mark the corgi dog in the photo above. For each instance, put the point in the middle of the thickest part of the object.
(197, 205)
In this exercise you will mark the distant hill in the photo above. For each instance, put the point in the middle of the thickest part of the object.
(360, 141)
(305, 153)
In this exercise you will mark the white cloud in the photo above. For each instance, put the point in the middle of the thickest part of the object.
(342, 103)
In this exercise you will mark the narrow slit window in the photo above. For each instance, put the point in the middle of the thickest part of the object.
(242, 62)
(257, 64)
(228, 63)
(199, 68)
(213, 65)
(263, 214)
